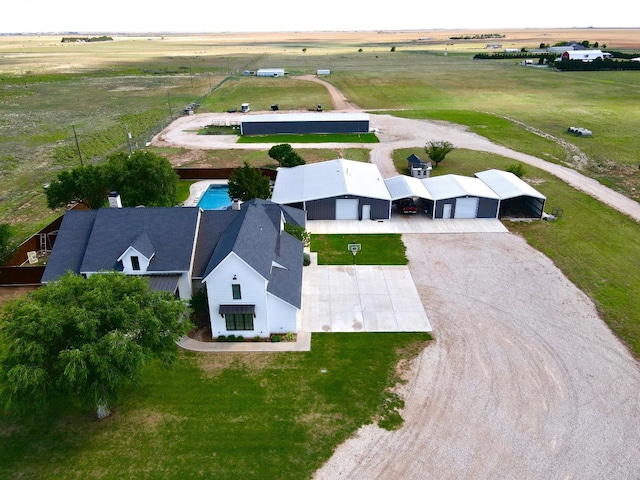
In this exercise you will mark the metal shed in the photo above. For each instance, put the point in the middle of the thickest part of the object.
(270, 72)
(301, 123)
(518, 199)
(334, 190)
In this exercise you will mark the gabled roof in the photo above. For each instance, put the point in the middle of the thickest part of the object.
(172, 229)
(507, 185)
(143, 245)
(402, 186)
(329, 179)
(91, 241)
(453, 186)
(254, 235)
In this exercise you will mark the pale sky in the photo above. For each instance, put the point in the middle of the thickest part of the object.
(135, 16)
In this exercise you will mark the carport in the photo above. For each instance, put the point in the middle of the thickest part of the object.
(402, 186)
(518, 199)
(456, 196)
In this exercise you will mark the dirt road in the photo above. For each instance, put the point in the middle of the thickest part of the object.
(523, 381)
(394, 133)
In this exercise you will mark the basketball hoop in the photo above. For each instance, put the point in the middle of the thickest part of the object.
(354, 248)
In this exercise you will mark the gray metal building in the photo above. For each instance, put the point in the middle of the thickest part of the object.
(301, 123)
(334, 190)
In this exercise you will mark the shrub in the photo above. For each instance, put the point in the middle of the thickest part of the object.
(290, 337)
(257, 338)
(231, 338)
(306, 259)
(276, 338)
(239, 338)
(222, 338)
(517, 169)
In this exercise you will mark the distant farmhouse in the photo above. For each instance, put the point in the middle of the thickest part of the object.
(585, 55)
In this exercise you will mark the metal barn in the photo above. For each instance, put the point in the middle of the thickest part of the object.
(302, 123)
(334, 190)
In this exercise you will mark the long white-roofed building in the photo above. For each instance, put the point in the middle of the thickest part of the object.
(334, 190)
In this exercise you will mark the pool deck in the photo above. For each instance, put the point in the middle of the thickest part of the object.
(197, 190)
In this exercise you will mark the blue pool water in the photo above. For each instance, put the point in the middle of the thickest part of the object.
(216, 197)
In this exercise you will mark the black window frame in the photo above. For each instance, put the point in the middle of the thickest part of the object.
(135, 263)
(238, 321)
(236, 291)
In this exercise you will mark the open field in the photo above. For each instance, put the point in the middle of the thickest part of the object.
(141, 82)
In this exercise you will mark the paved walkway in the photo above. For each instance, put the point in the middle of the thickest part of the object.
(418, 223)
(302, 344)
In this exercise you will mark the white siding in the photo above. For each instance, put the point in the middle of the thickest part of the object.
(253, 288)
(282, 316)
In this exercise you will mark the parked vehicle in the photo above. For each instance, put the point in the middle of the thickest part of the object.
(407, 205)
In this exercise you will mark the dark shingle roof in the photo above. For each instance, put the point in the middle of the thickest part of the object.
(171, 229)
(70, 244)
(255, 236)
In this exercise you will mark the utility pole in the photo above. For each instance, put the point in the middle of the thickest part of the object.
(129, 139)
(169, 103)
(191, 74)
(77, 145)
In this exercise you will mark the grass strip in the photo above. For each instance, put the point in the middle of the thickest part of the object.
(377, 249)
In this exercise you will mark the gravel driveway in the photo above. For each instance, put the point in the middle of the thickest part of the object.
(523, 381)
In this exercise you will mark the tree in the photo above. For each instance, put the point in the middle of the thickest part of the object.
(247, 182)
(285, 155)
(85, 339)
(143, 178)
(299, 232)
(6, 244)
(87, 185)
(438, 150)
(393, 49)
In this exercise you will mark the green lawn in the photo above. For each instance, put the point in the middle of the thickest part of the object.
(377, 249)
(220, 415)
(311, 138)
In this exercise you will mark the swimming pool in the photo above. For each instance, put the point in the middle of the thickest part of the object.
(216, 197)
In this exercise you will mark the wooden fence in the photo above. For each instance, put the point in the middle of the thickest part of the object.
(17, 271)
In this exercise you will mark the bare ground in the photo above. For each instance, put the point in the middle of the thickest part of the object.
(523, 381)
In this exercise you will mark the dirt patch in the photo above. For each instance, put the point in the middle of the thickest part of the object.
(10, 293)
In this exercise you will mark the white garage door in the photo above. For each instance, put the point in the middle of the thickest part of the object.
(466, 207)
(347, 209)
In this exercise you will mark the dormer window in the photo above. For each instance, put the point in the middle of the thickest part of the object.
(235, 289)
(135, 263)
